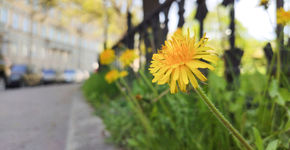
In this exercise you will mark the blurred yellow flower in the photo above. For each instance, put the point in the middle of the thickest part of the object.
(128, 57)
(123, 74)
(179, 60)
(149, 49)
(107, 56)
(114, 74)
(264, 3)
(283, 17)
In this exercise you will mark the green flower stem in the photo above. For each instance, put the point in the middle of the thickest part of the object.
(130, 93)
(278, 72)
(122, 91)
(222, 119)
(161, 95)
(157, 96)
(149, 84)
(135, 106)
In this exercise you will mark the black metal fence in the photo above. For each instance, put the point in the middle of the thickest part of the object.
(150, 31)
(153, 33)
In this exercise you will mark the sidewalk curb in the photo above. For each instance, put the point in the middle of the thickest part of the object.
(85, 130)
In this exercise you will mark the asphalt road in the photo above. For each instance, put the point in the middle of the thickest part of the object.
(44, 118)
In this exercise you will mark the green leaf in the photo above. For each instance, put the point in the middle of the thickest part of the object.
(132, 142)
(154, 112)
(287, 126)
(272, 145)
(274, 93)
(273, 90)
(217, 82)
(258, 139)
(279, 100)
(285, 94)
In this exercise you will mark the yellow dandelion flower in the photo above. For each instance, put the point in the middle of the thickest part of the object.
(283, 17)
(107, 56)
(114, 75)
(179, 60)
(128, 57)
(178, 31)
(177, 34)
(123, 74)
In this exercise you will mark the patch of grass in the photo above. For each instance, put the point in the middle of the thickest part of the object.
(182, 121)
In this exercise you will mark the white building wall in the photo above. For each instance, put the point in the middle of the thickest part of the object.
(46, 47)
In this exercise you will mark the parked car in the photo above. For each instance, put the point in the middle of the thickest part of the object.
(48, 76)
(2, 83)
(69, 76)
(81, 76)
(3, 73)
(32, 77)
(23, 75)
(60, 77)
(15, 77)
(86, 75)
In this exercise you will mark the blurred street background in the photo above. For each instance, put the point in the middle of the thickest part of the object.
(52, 82)
(37, 47)
(41, 52)
(49, 118)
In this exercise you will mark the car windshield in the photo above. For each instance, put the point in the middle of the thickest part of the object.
(19, 68)
(48, 71)
(69, 71)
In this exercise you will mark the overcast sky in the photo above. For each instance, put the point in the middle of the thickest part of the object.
(258, 22)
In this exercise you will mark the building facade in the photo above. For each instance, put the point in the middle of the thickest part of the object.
(25, 38)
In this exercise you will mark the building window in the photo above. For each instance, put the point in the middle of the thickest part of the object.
(66, 38)
(4, 15)
(51, 33)
(34, 28)
(15, 21)
(25, 25)
(85, 44)
(73, 40)
(43, 31)
(58, 36)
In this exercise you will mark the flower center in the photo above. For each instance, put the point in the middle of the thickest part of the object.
(178, 56)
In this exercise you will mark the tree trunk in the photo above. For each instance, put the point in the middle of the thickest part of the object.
(148, 7)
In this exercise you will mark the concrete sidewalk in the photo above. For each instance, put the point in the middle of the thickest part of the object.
(49, 118)
(85, 129)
